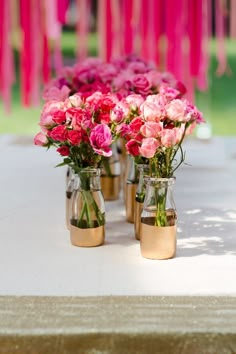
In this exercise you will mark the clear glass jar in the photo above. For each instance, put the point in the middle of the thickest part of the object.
(111, 175)
(87, 224)
(158, 219)
(143, 169)
(130, 189)
(69, 192)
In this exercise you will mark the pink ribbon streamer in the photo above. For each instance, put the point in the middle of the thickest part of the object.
(36, 51)
(82, 28)
(62, 7)
(145, 29)
(220, 13)
(127, 11)
(25, 57)
(104, 29)
(6, 56)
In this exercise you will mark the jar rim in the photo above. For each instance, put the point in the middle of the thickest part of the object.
(160, 179)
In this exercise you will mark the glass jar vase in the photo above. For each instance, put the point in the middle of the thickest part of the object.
(87, 224)
(111, 175)
(158, 219)
(143, 169)
(69, 192)
(130, 189)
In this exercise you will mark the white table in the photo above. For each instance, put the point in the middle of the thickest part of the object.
(38, 259)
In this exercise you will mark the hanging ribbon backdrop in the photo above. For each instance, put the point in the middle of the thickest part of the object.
(174, 34)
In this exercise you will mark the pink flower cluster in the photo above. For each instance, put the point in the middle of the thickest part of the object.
(123, 76)
(154, 127)
(80, 129)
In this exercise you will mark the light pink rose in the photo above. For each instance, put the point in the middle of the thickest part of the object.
(134, 100)
(46, 117)
(40, 139)
(73, 101)
(190, 128)
(176, 111)
(149, 147)
(151, 111)
(151, 129)
(171, 137)
(101, 139)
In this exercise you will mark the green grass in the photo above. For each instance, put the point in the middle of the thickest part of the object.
(218, 104)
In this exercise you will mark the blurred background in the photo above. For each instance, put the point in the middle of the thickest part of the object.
(81, 37)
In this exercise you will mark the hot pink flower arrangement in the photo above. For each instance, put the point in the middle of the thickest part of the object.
(155, 128)
(80, 129)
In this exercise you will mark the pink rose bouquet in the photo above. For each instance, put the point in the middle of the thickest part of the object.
(155, 128)
(80, 129)
(82, 132)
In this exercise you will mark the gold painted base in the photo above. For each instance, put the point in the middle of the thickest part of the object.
(137, 219)
(129, 201)
(110, 187)
(90, 237)
(158, 242)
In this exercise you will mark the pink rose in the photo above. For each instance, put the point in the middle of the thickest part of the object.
(101, 139)
(134, 100)
(73, 101)
(108, 102)
(169, 92)
(171, 137)
(135, 125)
(40, 139)
(120, 111)
(59, 117)
(58, 133)
(141, 84)
(192, 113)
(151, 111)
(149, 147)
(151, 129)
(64, 150)
(176, 110)
(154, 77)
(74, 137)
(46, 117)
(56, 94)
(132, 147)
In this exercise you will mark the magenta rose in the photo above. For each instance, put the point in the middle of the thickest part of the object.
(132, 147)
(149, 147)
(74, 137)
(64, 150)
(58, 133)
(40, 139)
(101, 139)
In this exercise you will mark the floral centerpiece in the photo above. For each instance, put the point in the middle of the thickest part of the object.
(154, 129)
(82, 132)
